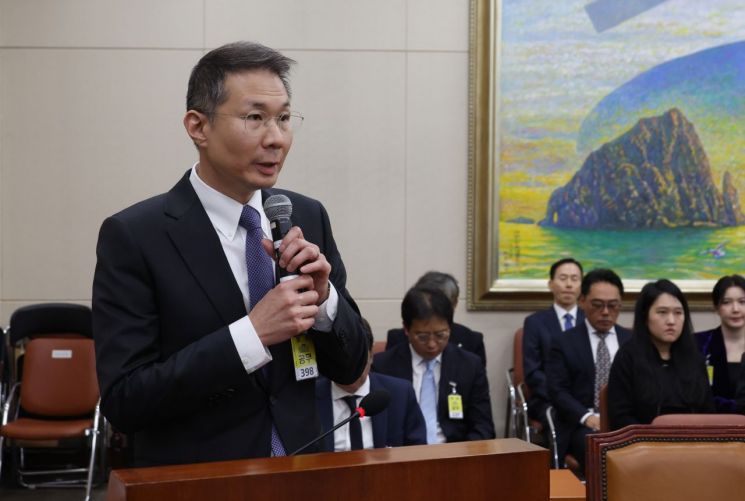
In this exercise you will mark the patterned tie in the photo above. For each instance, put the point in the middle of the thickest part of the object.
(602, 366)
(260, 281)
(428, 401)
(355, 427)
(568, 321)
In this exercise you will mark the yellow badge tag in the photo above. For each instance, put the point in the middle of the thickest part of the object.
(455, 406)
(304, 357)
(710, 372)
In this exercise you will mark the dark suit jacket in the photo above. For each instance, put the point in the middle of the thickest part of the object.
(460, 336)
(461, 367)
(168, 370)
(571, 379)
(401, 423)
(711, 345)
(538, 329)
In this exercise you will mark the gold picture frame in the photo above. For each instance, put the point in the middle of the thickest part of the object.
(486, 290)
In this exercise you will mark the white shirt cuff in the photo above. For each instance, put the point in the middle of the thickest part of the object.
(327, 311)
(584, 418)
(254, 355)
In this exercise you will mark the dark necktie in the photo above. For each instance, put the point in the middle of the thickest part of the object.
(355, 427)
(568, 321)
(260, 281)
(602, 366)
(260, 266)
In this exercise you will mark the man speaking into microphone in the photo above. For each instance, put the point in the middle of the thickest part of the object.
(199, 354)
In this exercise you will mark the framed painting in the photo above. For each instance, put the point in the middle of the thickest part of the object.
(611, 131)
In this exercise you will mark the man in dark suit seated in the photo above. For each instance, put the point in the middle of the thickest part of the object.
(565, 278)
(450, 383)
(580, 362)
(460, 335)
(401, 423)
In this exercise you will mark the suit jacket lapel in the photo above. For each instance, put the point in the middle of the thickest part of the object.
(552, 322)
(325, 410)
(585, 348)
(380, 420)
(448, 373)
(198, 244)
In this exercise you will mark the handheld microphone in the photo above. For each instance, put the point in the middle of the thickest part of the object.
(278, 208)
(370, 405)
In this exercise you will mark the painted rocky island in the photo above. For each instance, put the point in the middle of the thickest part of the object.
(654, 176)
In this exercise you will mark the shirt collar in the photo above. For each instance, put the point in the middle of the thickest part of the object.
(592, 330)
(223, 211)
(337, 392)
(561, 311)
(417, 359)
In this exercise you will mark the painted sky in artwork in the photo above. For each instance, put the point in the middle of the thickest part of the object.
(554, 68)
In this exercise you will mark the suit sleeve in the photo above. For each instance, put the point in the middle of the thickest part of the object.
(478, 413)
(138, 387)
(416, 428)
(342, 356)
(480, 349)
(560, 384)
(621, 408)
(534, 358)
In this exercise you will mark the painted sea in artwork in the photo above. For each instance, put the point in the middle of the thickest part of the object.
(623, 148)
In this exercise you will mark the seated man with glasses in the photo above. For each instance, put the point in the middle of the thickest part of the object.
(450, 383)
(580, 361)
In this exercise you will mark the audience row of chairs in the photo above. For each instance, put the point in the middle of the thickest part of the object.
(519, 424)
(50, 398)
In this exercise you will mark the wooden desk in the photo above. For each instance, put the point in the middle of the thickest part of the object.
(565, 486)
(483, 470)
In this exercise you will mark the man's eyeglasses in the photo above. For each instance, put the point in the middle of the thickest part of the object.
(612, 306)
(424, 337)
(255, 122)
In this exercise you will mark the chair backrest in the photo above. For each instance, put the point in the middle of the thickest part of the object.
(46, 319)
(699, 419)
(378, 346)
(518, 374)
(649, 463)
(59, 377)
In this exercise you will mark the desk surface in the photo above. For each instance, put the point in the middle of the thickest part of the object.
(565, 486)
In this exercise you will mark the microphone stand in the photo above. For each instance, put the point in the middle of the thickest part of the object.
(341, 423)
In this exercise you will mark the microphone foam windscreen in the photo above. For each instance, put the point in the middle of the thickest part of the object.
(375, 402)
(278, 207)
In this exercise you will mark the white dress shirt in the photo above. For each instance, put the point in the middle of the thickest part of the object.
(611, 341)
(225, 213)
(418, 367)
(341, 410)
(560, 312)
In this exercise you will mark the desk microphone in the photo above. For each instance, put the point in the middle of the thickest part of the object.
(373, 403)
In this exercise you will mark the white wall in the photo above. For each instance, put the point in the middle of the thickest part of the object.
(91, 99)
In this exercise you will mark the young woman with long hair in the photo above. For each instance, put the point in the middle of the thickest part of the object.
(659, 371)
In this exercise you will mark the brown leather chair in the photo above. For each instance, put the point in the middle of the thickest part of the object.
(55, 403)
(378, 346)
(699, 419)
(517, 422)
(652, 463)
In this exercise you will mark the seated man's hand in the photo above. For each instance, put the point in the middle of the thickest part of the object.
(593, 422)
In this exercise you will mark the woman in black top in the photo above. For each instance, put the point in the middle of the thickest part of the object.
(724, 346)
(659, 371)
